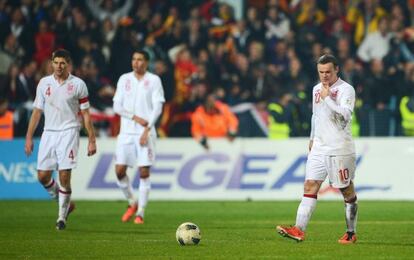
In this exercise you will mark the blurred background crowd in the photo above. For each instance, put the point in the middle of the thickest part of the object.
(256, 56)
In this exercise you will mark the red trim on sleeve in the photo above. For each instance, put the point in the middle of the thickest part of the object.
(83, 100)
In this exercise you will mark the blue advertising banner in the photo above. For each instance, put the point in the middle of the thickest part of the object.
(258, 169)
(18, 174)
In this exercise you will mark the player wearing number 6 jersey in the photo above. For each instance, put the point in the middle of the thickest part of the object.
(60, 96)
(331, 150)
(138, 100)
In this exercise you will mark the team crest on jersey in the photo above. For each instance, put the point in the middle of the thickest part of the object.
(334, 94)
(128, 85)
(70, 88)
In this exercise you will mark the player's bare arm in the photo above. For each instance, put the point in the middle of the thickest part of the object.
(34, 121)
(91, 132)
(140, 121)
(310, 145)
(143, 140)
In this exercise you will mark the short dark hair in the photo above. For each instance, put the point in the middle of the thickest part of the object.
(328, 58)
(143, 53)
(62, 53)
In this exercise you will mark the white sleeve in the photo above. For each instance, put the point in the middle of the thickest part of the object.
(312, 133)
(119, 109)
(83, 96)
(119, 93)
(156, 112)
(346, 104)
(119, 100)
(158, 93)
(157, 100)
(39, 101)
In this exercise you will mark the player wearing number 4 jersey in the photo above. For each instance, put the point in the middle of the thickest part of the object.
(331, 150)
(60, 97)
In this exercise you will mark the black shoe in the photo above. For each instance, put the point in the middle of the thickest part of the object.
(60, 225)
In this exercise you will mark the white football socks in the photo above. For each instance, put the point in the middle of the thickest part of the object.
(125, 185)
(351, 213)
(144, 189)
(305, 210)
(52, 188)
(64, 200)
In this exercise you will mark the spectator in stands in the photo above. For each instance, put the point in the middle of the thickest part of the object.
(376, 86)
(242, 36)
(343, 49)
(10, 52)
(310, 13)
(109, 9)
(406, 106)
(407, 115)
(108, 31)
(164, 71)
(21, 30)
(376, 44)
(196, 38)
(336, 18)
(6, 120)
(8, 82)
(231, 55)
(254, 24)
(277, 26)
(44, 42)
(101, 91)
(25, 85)
(280, 117)
(213, 119)
(364, 16)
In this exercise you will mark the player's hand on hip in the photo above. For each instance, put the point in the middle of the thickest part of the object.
(91, 148)
(28, 146)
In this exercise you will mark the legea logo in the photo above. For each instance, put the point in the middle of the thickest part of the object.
(212, 170)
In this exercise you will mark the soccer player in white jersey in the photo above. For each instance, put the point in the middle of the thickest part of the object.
(60, 97)
(331, 150)
(138, 100)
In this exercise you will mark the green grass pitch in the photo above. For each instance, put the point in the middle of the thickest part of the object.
(230, 230)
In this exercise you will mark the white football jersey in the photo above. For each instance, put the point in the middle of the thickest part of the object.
(61, 103)
(137, 98)
(331, 120)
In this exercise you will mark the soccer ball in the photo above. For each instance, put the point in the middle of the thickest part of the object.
(188, 234)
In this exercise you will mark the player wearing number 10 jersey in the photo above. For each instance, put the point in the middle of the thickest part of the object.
(60, 96)
(331, 150)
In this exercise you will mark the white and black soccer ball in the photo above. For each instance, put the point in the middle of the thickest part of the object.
(188, 234)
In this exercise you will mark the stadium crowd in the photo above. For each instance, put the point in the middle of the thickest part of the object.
(260, 61)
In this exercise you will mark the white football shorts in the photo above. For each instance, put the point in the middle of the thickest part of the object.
(58, 150)
(129, 152)
(340, 169)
